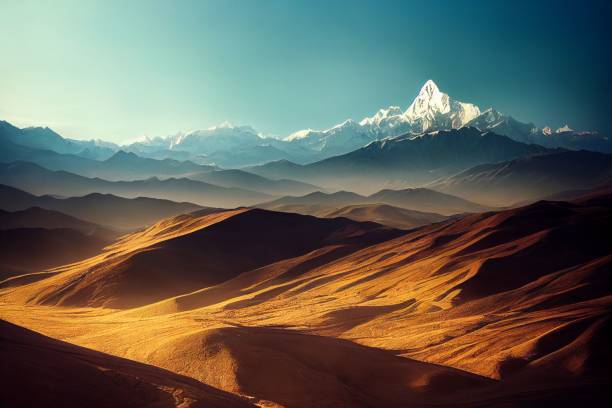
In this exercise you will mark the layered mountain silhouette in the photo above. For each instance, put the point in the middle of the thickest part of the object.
(431, 110)
(55, 239)
(46, 139)
(405, 161)
(416, 199)
(232, 146)
(104, 209)
(249, 181)
(380, 213)
(38, 180)
(36, 217)
(120, 166)
(530, 178)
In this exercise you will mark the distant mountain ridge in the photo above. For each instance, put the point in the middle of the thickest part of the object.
(404, 161)
(232, 146)
(40, 181)
(416, 199)
(119, 166)
(47, 139)
(431, 110)
(245, 180)
(103, 209)
(530, 178)
(125, 165)
(37, 217)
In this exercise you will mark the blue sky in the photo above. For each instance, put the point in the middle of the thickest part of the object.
(121, 69)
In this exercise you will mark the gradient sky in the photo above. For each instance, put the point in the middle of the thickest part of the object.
(121, 69)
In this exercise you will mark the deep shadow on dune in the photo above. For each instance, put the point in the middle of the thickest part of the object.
(24, 250)
(568, 237)
(38, 371)
(212, 255)
(342, 320)
(300, 370)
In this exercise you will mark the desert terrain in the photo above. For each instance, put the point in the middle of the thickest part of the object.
(464, 311)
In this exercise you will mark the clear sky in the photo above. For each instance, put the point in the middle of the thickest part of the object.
(121, 69)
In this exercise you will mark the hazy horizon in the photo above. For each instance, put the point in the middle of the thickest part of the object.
(118, 72)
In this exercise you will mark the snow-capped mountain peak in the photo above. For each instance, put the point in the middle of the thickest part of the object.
(381, 115)
(429, 101)
(491, 115)
(300, 134)
(346, 124)
(433, 109)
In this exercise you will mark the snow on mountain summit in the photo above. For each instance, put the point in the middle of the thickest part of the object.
(433, 109)
(429, 100)
(430, 111)
(381, 115)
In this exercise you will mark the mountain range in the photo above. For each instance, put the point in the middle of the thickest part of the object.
(404, 161)
(45, 138)
(418, 199)
(438, 159)
(232, 146)
(40, 181)
(119, 166)
(383, 214)
(431, 110)
(530, 178)
(122, 214)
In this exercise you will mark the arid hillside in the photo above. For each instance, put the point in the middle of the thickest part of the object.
(492, 306)
(39, 371)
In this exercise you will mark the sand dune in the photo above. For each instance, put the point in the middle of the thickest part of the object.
(297, 370)
(520, 296)
(38, 371)
(196, 251)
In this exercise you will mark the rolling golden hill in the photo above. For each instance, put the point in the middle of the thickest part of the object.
(505, 308)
